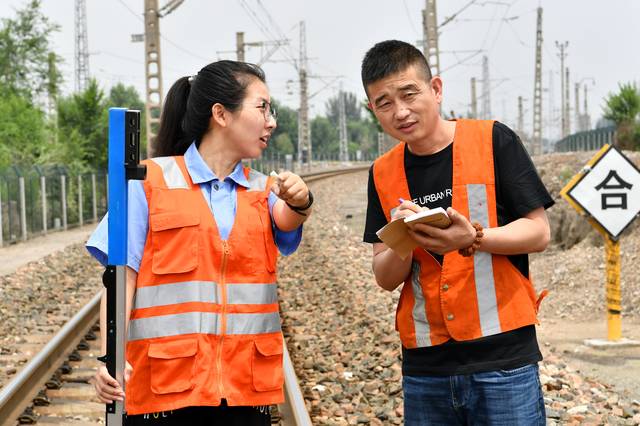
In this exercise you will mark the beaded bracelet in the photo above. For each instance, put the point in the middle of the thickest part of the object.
(469, 251)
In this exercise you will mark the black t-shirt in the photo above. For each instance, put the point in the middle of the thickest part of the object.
(519, 190)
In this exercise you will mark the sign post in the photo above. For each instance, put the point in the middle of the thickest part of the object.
(124, 165)
(614, 308)
(607, 191)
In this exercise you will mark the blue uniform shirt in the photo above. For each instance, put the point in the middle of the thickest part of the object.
(221, 196)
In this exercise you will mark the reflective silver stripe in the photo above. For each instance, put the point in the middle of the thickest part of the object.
(257, 181)
(170, 294)
(253, 294)
(173, 176)
(206, 292)
(253, 323)
(173, 325)
(420, 321)
(483, 266)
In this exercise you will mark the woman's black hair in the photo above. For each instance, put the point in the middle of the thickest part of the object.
(187, 108)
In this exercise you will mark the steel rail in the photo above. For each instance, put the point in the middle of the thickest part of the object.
(313, 176)
(294, 411)
(17, 395)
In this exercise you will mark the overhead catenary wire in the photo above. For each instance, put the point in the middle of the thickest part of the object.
(171, 42)
(406, 10)
(268, 30)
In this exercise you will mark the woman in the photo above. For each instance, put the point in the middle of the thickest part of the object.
(204, 341)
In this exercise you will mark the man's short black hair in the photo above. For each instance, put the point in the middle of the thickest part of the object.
(390, 57)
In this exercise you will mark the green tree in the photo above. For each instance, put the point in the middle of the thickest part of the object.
(351, 108)
(324, 136)
(361, 130)
(128, 97)
(371, 116)
(25, 51)
(22, 131)
(125, 96)
(283, 144)
(623, 108)
(287, 124)
(363, 136)
(85, 115)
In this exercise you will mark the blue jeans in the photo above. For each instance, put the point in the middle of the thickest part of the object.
(502, 397)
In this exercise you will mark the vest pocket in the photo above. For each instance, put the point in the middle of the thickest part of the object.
(174, 239)
(266, 364)
(172, 365)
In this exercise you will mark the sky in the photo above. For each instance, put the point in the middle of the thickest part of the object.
(602, 45)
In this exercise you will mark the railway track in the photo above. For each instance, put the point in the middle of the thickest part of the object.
(54, 387)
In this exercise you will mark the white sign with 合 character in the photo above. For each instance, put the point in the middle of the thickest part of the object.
(610, 192)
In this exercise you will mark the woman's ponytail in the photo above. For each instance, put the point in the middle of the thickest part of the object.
(170, 138)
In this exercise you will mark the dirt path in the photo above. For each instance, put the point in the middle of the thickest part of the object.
(618, 367)
(14, 256)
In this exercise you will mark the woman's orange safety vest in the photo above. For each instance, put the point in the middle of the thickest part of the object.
(204, 323)
(466, 297)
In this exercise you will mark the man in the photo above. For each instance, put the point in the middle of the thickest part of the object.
(467, 309)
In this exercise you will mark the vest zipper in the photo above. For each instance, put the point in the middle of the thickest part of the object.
(223, 317)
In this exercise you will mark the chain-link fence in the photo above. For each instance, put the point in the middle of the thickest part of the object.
(39, 200)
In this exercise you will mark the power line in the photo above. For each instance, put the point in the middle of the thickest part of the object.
(462, 61)
(131, 11)
(275, 25)
(406, 9)
(195, 55)
(267, 30)
(126, 58)
(452, 17)
(502, 21)
(177, 46)
(515, 33)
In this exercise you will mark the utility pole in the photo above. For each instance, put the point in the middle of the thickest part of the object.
(474, 99)
(485, 113)
(82, 47)
(153, 64)
(240, 46)
(304, 131)
(430, 36)
(344, 152)
(563, 113)
(576, 111)
(153, 71)
(587, 119)
(520, 127)
(567, 108)
(551, 107)
(536, 136)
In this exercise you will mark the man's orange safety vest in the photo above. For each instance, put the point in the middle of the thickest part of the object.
(204, 323)
(463, 298)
